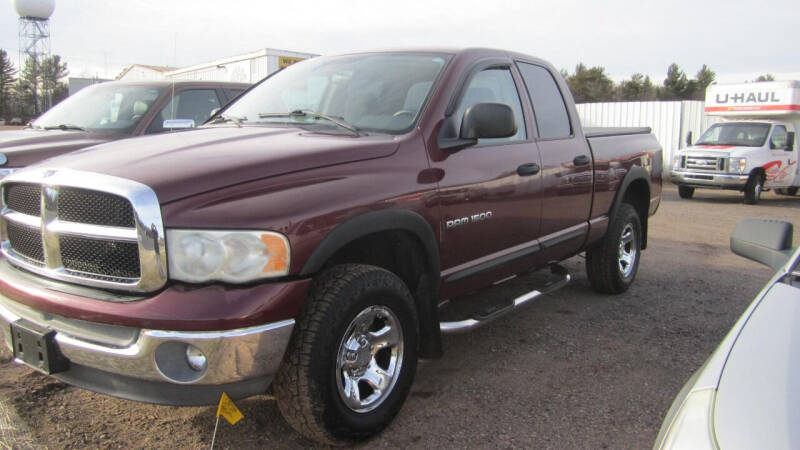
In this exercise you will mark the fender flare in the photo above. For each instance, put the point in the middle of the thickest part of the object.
(392, 220)
(635, 173)
(370, 223)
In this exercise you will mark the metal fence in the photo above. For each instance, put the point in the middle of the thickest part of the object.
(670, 121)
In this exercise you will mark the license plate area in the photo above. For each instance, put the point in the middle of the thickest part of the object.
(35, 347)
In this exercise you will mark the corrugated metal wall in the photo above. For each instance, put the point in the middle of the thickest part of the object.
(670, 121)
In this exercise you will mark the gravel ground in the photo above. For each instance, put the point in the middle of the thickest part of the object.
(573, 370)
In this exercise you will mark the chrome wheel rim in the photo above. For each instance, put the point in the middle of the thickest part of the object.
(627, 250)
(369, 359)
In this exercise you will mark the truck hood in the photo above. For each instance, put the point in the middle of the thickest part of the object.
(759, 390)
(29, 146)
(179, 165)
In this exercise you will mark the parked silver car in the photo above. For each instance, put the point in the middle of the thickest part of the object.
(747, 394)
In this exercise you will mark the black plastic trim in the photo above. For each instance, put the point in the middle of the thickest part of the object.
(489, 265)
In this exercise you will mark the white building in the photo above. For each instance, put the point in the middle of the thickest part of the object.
(143, 72)
(247, 68)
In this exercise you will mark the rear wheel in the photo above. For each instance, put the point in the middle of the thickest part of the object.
(685, 191)
(752, 190)
(792, 190)
(612, 265)
(352, 357)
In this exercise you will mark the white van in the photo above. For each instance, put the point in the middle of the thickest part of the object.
(753, 149)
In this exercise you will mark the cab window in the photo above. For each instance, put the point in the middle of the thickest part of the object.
(194, 104)
(494, 85)
(778, 139)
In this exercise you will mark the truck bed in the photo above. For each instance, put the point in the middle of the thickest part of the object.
(591, 132)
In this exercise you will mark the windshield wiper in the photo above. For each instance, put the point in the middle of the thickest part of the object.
(315, 115)
(64, 127)
(226, 118)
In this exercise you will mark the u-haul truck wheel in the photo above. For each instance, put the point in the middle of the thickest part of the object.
(752, 190)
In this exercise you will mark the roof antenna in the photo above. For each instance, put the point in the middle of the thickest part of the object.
(174, 64)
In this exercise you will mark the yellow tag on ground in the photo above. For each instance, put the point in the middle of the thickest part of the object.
(228, 410)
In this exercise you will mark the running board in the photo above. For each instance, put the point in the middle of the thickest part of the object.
(561, 278)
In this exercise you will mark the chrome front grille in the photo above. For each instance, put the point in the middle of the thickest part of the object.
(704, 163)
(84, 228)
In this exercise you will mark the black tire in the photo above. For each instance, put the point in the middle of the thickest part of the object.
(685, 191)
(752, 190)
(604, 263)
(792, 190)
(307, 386)
(781, 191)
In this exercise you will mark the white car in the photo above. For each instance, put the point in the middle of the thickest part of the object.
(747, 394)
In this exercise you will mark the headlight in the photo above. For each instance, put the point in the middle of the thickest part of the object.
(692, 426)
(737, 165)
(6, 172)
(198, 256)
(676, 162)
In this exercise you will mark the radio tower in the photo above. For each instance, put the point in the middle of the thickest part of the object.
(34, 44)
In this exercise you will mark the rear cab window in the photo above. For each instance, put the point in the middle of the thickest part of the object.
(549, 108)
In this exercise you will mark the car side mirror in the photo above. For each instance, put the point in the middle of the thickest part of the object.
(689, 139)
(790, 141)
(488, 121)
(765, 241)
(178, 124)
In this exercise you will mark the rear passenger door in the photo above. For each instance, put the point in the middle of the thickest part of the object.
(487, 207)
(566, 162)
(194, 104)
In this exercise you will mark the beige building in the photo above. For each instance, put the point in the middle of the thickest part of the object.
(246, 68)
(143, 72)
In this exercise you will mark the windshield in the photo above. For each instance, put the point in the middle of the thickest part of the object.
(373, 92)
(108, 107)
(740, 134)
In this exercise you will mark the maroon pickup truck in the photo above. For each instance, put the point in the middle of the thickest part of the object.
(319, 234)
(110, 111)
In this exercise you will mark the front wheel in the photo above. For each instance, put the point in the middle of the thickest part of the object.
(752, 190)
(352, 357)
(685, 191)
(612, 265)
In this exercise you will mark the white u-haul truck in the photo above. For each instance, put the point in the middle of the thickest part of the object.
(753, 149)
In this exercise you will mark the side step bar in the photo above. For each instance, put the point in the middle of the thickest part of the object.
(480, 319)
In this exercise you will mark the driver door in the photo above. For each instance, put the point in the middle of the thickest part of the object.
(781, 168)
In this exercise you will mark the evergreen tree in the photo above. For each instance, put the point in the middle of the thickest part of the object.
(590, 85)
(638, 88)
(765, 77)
(704, 78)
(7, 72)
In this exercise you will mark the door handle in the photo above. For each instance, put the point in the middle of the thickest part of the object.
(528, 169)
(581, 160)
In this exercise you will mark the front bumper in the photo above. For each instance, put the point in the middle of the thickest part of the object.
(709, 180)
(151, 365)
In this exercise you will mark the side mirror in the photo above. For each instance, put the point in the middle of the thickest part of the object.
(765, 241)
(689, 139)
(178, 124)
(487, 121)
(790, 141)
(213, 111)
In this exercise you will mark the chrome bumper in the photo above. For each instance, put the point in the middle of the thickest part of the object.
(710, 180)
(158, 355)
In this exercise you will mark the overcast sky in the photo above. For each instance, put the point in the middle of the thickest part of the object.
(737, 39)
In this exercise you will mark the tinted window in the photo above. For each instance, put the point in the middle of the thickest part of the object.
(494, 85)
(778, 139)
(232, 93)
(548, 104)
(194, 104)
